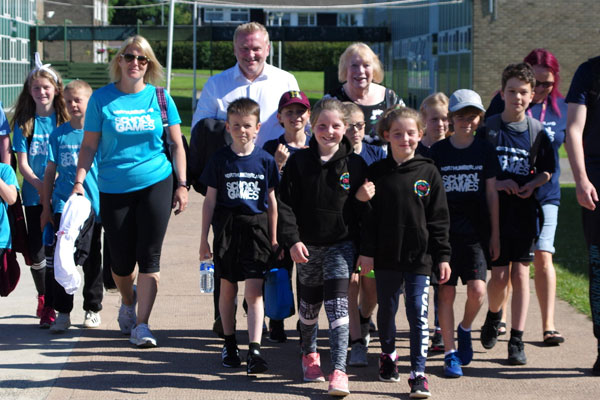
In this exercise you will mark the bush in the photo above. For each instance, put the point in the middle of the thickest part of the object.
(297, 56)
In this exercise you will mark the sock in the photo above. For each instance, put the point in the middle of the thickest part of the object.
(414, 374)
(361, 340)
(363, 320)
(39, 279)
(449, 352)
(230, 340)
(254, 347)
(494, 316)
(461, 327)
(516, 334)
(393, 355)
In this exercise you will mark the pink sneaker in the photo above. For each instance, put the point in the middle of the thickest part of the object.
(338, 383)
(311, 367)
(40, 307)
(48, 317)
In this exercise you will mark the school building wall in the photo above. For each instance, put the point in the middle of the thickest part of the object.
(569, 29)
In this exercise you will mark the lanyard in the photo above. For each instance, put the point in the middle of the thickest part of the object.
(542, 113)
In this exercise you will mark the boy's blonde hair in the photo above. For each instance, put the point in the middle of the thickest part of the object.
(244, 106)
(79, 84)
(329, 104)
(365, 52)
(25, 107)
(433, 100)
(154, 71)
(352, 108)
(392, 114)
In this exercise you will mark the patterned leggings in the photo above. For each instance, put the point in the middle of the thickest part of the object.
(325, 278)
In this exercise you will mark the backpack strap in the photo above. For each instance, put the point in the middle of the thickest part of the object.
(536, 130)
(162, 102)
(492, 127)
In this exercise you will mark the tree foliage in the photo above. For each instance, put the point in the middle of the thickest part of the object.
(148, 15)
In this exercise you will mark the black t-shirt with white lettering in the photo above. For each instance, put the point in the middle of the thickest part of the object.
(464, 172)
(242, 182)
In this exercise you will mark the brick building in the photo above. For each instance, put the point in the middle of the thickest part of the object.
(75, 12)
(467, 44)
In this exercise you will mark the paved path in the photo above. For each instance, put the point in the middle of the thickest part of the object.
(101, 364)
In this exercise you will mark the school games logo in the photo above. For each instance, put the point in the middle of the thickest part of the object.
(345, 181)
(422, 188)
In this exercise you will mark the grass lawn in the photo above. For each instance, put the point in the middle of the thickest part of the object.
(571, 259)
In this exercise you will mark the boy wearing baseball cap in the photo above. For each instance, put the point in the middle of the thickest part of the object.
(293, 114)
(468, 166)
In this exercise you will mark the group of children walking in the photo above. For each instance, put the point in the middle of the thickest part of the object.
(47, 133)
(432, 210)
(420, 210)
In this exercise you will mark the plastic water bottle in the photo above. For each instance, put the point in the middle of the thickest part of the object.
(207, 276)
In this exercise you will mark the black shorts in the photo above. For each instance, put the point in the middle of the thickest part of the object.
(468, 261)
(518, 249)
(241, 247)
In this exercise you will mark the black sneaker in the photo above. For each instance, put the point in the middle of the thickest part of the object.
(489, 333)
(419, 388)
(388, 370)
(437, 342)
(231, 357)
(372, 327)
(596, 367)
(255, 364)
(516, 352)
(276, 332)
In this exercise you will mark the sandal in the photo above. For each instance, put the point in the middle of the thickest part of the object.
(502, 328)
(553, 338)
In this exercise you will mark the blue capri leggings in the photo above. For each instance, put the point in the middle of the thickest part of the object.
(135, 225)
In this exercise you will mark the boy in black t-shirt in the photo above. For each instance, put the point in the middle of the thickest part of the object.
(240, 204)
(468, 167)
(526, 162)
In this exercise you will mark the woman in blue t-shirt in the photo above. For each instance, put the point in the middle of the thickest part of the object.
(549, 107)
(123, 125)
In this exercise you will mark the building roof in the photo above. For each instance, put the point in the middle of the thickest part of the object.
(289, 3)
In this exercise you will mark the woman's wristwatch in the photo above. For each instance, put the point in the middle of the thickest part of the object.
(184, 184)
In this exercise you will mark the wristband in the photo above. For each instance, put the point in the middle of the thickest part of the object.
(76, 182)
(184, 184)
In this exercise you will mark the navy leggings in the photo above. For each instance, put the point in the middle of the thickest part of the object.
(135, 225)
(390, 284)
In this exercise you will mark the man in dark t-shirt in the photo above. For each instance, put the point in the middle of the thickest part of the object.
(583, 147)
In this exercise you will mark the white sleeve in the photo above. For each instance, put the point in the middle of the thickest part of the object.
(207, 106)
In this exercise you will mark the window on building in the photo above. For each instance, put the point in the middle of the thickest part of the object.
(307, 19)
(214, 15)
(347, 19)
(239, 15)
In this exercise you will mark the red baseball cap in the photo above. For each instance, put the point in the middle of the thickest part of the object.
(293, 97)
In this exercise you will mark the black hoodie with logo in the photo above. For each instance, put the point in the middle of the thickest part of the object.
(407, 228)
(316, 203)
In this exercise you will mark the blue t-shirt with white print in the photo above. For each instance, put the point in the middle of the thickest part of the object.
(242, 182)
(130, 152)
(37, 153)
(8, 176)
(63, 151)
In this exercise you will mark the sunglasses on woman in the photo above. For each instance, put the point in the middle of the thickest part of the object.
(142, 60)
(545, 85)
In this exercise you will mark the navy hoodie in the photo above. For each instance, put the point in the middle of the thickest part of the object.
(407, 228)
(316, 203)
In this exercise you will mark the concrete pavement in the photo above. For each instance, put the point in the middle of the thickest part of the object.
(101, 364)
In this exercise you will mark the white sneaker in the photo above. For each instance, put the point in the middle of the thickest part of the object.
(92, 319)
(62, 323)
(142, 337)
(127, 317)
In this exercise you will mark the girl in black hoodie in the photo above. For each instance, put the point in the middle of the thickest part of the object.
(406, 235)
(318, 222)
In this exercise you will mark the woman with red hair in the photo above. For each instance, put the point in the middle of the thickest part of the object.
(549, 107)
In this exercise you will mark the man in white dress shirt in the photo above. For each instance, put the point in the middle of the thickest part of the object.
(251, 77)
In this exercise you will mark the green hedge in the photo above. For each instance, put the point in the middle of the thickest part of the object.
(297, 56)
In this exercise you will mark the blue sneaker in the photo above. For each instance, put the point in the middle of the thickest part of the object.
(465, 346)
(452, 367)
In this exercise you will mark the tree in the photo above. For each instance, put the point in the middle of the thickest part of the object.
(148, 15)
